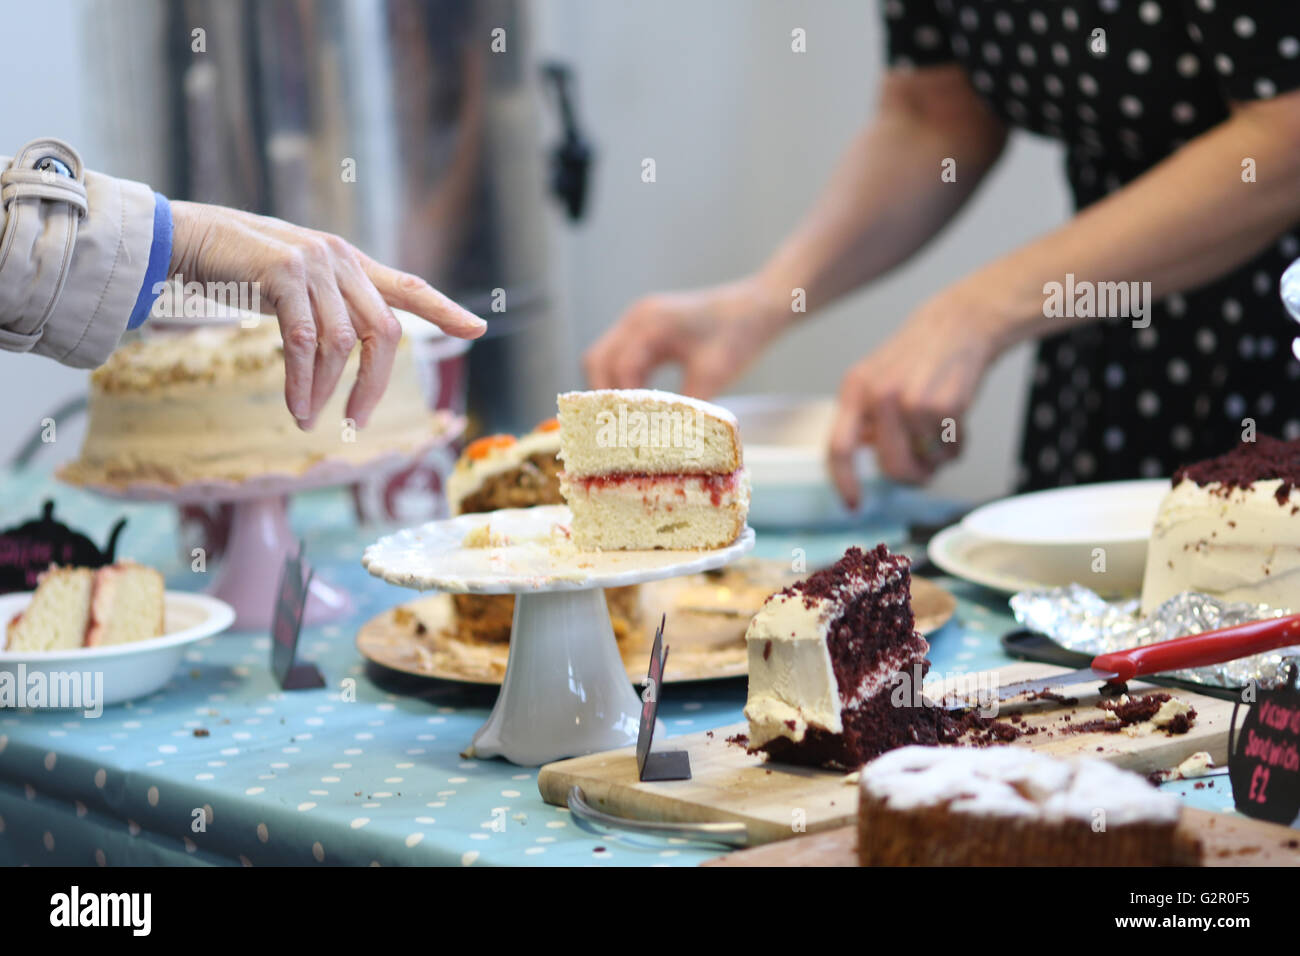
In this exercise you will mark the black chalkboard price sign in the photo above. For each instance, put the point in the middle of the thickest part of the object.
(286, 625)
(1264, 754)
(661, 764)
(26, 550)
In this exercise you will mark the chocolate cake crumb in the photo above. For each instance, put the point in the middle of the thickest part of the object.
(1264, 459)
(740, 740)
(201, 732)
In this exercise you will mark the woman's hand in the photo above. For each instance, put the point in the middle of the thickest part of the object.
(328, 296)
(714, 334)
(908, 397)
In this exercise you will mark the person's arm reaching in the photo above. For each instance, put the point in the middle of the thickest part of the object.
(1187, 221)
(81, 254)
(886, 199)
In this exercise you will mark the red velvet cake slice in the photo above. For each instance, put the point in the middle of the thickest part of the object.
(823, 655)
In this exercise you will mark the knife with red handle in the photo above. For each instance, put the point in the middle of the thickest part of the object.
(1195, 650)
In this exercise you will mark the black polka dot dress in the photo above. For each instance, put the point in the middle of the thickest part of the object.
(1109, 401)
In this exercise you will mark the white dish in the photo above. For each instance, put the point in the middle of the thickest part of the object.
(1094, 535)
(1010, 568)
(1098, 515)
(537, 557)
(785, 439)
(565, 690)
(128, 670)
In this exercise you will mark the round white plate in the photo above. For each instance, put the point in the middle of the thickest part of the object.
(1011, 568)
(434, 555)
(1094, 535)
(1098, 515)
(121, 671)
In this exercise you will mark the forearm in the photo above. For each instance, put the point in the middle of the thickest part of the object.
(1186, 222)
(888, 196)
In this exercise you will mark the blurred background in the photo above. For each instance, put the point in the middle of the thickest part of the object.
(452, 147)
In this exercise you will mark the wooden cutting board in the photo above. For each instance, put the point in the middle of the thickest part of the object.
(1227, 840)
(773, 800)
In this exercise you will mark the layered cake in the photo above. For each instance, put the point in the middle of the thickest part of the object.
(208, 403)
(85, 607)
(823, 660)
(1006, 806)
(646, 469)
(502, 471)
(1230, 527)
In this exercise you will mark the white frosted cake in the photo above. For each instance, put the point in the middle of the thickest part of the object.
(646, 469)
(209, 403)
(1009, 806)
(1230, 527)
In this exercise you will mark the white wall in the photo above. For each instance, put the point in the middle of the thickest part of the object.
(744, 133)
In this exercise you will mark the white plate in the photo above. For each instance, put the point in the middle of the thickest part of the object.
(537, 556)
(1009, 567)
(1094, 535)
(785, 439)
(127, 670)
(1099, 515)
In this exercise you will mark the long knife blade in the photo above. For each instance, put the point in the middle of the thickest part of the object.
(1037, 686)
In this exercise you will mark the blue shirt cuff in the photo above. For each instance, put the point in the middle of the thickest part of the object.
(160, 257)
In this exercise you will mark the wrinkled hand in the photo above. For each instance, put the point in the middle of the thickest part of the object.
(714, 334)
(908, 397)
(327, 295)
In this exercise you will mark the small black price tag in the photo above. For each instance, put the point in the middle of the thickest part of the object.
(665, 764)
(28, 549)
(1264, 754)
(286, 625)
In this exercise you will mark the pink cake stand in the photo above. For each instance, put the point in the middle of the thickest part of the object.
(260, 536)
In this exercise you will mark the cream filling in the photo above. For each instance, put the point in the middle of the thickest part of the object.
(1243, 546)
(660, 493)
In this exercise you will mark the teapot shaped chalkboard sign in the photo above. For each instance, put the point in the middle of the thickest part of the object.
(28, 549)
(1264, 754)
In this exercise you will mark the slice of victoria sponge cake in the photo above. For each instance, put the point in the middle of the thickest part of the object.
(645, 469)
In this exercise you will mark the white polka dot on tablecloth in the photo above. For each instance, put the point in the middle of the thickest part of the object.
(318, 851)
(133, 828)
(263, 834)
(469, 858)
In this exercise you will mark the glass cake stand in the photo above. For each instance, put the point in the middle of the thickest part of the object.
(565, 690)
(260, 536)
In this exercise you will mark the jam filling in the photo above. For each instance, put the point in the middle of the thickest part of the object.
(716, 485)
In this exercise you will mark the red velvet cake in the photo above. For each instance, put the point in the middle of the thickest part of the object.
(824, 656)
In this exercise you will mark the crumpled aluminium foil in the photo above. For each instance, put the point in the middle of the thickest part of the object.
(1079, 620)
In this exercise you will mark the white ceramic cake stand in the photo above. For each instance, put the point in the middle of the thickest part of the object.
(565, 690)
(260, 536)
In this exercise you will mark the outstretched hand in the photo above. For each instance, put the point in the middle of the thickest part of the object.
(327, 295)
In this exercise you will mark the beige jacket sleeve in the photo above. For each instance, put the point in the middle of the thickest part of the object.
(73, 254)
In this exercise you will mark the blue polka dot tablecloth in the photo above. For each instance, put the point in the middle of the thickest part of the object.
(221, 767)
